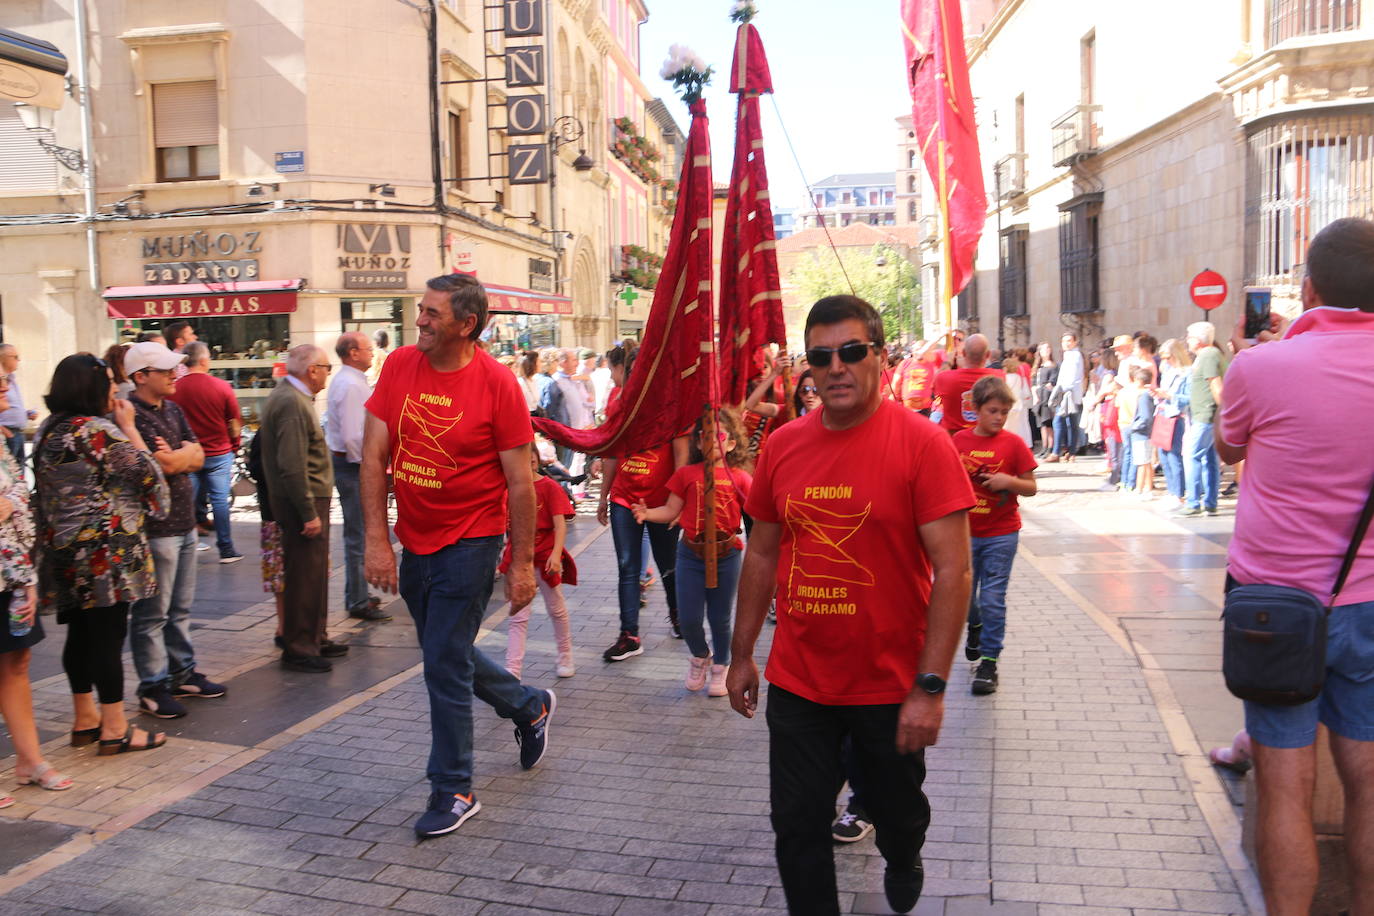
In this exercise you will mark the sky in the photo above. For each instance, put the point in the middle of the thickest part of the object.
(838, 82)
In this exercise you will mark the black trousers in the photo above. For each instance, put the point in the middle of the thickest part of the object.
(91, 655)
(305, 568)
(805, 772)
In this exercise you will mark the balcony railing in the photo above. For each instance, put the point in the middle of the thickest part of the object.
(1010, 176)
(1075, 135)
(1290, 18)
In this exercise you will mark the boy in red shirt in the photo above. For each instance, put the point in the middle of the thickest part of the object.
(553, 566)
(1001, 468)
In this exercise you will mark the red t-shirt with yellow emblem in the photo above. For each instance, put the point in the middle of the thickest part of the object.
(446, 430)
(1005, 453)
(853, 578)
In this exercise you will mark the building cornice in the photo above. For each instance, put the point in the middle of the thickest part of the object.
(175, 34)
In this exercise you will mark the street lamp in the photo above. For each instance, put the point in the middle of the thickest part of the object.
(40, 120)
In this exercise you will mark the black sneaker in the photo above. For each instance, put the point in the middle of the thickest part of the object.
(903, 889)
(975, 635)
(446, 813)
(230, 556)
(198, 685)
(533, 737)
(850, 827)
(159, 702)
(985, 677)
(624, 647)
(306, 664)
(673, 628)
(369, 611)
(331, 649)
(1212, 510)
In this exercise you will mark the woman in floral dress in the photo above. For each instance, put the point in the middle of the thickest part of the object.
(19, 605)
(96, 480)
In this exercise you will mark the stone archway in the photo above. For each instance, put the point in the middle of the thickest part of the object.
(590, 320)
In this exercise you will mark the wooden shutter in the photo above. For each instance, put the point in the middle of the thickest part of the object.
(25, 166)
(185, 114)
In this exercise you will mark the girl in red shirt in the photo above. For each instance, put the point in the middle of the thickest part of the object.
(687, 504)
(553, 566)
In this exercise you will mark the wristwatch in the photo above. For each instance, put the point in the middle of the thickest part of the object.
(932, 684)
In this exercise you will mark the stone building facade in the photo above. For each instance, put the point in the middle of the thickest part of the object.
(276, 173)
(1136, 153)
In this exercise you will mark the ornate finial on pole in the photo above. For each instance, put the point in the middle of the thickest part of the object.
(688, 72)
(743, 11)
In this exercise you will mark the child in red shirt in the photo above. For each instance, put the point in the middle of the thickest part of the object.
(687, 504)
(554, 566)
(1001, 468)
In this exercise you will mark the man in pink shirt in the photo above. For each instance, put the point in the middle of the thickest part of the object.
(1300, 413)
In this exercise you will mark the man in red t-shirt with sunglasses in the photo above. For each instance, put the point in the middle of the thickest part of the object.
(868, 615)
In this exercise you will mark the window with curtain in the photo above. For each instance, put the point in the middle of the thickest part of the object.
(1302, 174)
(186, 130)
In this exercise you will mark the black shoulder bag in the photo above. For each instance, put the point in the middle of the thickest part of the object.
(1274, 636)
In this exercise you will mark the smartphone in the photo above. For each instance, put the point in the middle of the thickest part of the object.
(1256, 312)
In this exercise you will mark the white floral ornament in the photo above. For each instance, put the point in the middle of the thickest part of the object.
(743, 11)
(687, 71)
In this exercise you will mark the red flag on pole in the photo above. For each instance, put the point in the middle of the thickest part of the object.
(671, 378)
(750, 294)
(942, 114)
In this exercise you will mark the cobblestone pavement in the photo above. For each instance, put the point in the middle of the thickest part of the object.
(1077, 788)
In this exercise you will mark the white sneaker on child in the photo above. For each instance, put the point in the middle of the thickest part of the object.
(717, 688)
(566, 668)
(696, 672)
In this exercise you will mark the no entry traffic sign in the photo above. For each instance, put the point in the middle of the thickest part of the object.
(1208, 290)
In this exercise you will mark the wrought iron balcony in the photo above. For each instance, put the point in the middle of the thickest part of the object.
(1075, 136)
(1009, 176)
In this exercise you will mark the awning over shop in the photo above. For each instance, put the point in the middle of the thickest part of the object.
(31, 70)
(203, 300)
(510, 300)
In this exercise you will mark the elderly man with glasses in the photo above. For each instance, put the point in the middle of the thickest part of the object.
(297, 461)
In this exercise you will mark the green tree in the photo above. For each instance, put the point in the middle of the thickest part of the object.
(880, 276)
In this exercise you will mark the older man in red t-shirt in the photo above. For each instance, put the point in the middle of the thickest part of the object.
(212, 409)
(953, 408)
(451, 423)
(868, 615)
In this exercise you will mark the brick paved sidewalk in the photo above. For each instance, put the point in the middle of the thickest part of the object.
(1060, 794)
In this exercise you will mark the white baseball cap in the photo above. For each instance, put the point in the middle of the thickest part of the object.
(150, 355)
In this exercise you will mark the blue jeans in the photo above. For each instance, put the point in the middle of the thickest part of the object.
(1202, 471)
(447, 593)
(1172, 460)
(351, 501)
(1068, 437)
(695, 601)
(987, 603)
(1114, 449)
(214, 478)
(628, 535)
(1127, 477)
(160, 626)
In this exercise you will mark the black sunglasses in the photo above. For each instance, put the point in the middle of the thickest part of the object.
(820, 357)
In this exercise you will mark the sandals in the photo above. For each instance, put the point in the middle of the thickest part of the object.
(46, 777)
(111, 746)
(84, 736)
(6, 801)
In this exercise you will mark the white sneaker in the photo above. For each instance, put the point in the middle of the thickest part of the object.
(566, 668)
(696, 672)
(201, 545)
(717, 688)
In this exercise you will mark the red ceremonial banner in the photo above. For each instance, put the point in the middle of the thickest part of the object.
(669, 384)
(750, 293)
(942, 115)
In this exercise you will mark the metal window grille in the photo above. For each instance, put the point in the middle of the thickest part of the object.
(967, 302)
(1290, 18)
(1011, 284)
(1302, 174)
(1078, 265)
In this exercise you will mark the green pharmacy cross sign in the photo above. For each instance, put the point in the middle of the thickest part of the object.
(629, 295)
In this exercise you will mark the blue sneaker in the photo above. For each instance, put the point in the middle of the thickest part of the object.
(533, 737)
(446, 813)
